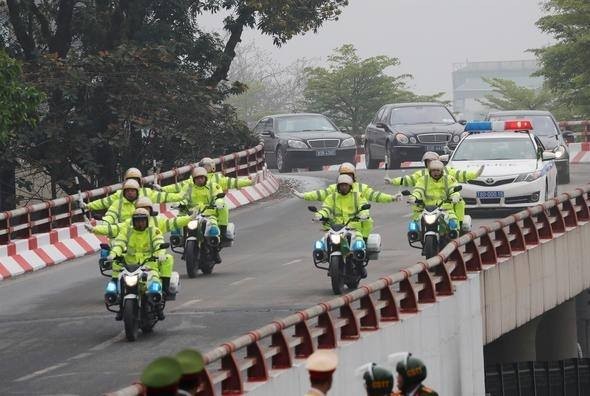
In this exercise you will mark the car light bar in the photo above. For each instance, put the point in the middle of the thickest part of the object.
(498, 126)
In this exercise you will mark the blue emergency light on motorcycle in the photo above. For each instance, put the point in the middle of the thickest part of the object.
(154, 287)
(413, 226)
(319, 245)
(359, 244)
(111, 287)
(213, 232)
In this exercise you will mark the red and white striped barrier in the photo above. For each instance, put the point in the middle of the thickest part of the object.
(579, 152)
(360, 164)
(63, 244)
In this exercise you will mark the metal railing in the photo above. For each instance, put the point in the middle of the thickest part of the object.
(563, 377)
(43, 217)
(248, 358)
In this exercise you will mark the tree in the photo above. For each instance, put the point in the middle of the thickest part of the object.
(350, 90)
(510, 96)
(565, 64)
(18, 106)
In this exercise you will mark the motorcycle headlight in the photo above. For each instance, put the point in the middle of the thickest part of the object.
(456, 138)
(528, 177)
(335, 239)
(131, 280)
(403, 139)
(192, 225)
(296, 144)
(413, 140)
(348, 142)
(430, 218)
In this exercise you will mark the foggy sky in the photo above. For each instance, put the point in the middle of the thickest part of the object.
(428, 36)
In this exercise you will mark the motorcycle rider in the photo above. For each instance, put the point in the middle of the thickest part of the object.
(411, 372)
(433, 188)
(365, 190)
(135, 243)
(378, 380)
(163, 223)
(123, 207)
(199, 194)
(340, 206)
(130, 174)
(461, 177)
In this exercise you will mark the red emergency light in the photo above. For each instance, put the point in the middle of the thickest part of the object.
(518, 125)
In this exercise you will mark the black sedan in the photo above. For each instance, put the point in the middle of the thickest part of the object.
(546, 128)
(405, 131)
(304, 140)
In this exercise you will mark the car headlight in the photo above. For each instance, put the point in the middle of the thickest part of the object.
(429, 218)
(464, 134)
(413, 140)
(456, 138)
(403, 139)
(335, 239)
(192, 225)
(296, 144)
(348, 143)
(528, 177)
(131, 280)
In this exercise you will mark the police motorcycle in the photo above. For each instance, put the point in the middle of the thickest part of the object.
(345, 263)
(200, 241)
(135, 298)
(433, 232)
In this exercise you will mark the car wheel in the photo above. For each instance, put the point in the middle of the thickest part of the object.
(390, 161)
(369, 161)
(282, 161)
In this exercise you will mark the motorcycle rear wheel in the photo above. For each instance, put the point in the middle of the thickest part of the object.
(190, 257)
(130, 319)
(335, 275)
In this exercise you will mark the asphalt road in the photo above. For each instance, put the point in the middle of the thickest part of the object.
(57, 338)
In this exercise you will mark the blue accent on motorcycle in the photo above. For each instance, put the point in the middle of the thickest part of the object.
(111, 287)
(104, 253)
(413, 226)
(154, 287)
(213, 231)
(358, 245)
(453, 225)
(319, 245)
(175, 231)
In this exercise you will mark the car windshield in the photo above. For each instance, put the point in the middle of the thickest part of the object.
(542, 125)
(421, 115)
(495, 149)
(304, 124)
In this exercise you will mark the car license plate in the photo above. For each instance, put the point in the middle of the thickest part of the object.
(325, 153)
(437, 148)
(490, 194)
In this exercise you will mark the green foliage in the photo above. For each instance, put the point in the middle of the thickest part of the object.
(350, 90)
(566, 64)
(510, 96)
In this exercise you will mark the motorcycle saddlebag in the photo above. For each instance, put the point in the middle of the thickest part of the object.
(373, 246)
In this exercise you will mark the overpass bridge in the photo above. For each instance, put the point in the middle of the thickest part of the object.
(56, 335)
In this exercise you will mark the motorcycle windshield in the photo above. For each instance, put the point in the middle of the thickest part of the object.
(132, 267)
(337, 227)
(430, 208)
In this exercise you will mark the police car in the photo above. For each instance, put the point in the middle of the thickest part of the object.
(518, 172)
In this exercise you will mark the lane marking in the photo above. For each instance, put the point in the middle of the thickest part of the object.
(109, 342)
(292, 262)
(40, 372)
(241, 281)
(186, 304)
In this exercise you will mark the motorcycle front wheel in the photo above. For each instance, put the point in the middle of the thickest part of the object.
(335, 275)
(430, 246)
(130, 319)
(207, 263)
(190, 257)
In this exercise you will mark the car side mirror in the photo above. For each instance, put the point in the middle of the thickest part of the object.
(462, 122)
(312, 209)
(444, 158)
(220, 195)
(548, 155)
(568, 136)
(366, 206)
(405, 193)
(457, 188)
(381, 125)
(164, 245)
(268, 133)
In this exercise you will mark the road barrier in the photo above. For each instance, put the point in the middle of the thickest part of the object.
(249, 358)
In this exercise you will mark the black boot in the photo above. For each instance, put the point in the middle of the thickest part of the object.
(361, 270)
(161, 315)
(216, 256)
(119, 315)
(166, 288)
(223, 232)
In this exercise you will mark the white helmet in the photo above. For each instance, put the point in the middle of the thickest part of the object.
(132, 173)
(208, 163)
(143, 202)
(430, 156)
(131, 184)
(200, 171)
(345, 179)
(436, 165)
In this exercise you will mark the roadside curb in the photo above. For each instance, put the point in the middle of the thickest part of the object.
(64, 244)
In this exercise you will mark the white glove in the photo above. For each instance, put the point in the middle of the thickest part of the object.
(317, 217)
(297, 193)
(83, 205)
(363, 216)
(388, 180)
(89, 227)
(219, 203)
(111, 257)
(411, 199)
(161, 257)
(480, 171)
(398, 197)
(455, 198)
(156, 187)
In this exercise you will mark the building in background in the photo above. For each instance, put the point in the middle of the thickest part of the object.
(468, 85)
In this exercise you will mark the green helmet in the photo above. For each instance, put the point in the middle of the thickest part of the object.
(378, 381)
(412, 370)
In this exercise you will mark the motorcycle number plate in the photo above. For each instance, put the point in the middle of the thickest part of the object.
(490, 194)
(325, 153)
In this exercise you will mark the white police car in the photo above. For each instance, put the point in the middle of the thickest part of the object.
(518, 172)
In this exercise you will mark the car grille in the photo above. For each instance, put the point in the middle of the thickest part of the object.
(488, 201)
(433, 137)
(324, 143)
(495, 183)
